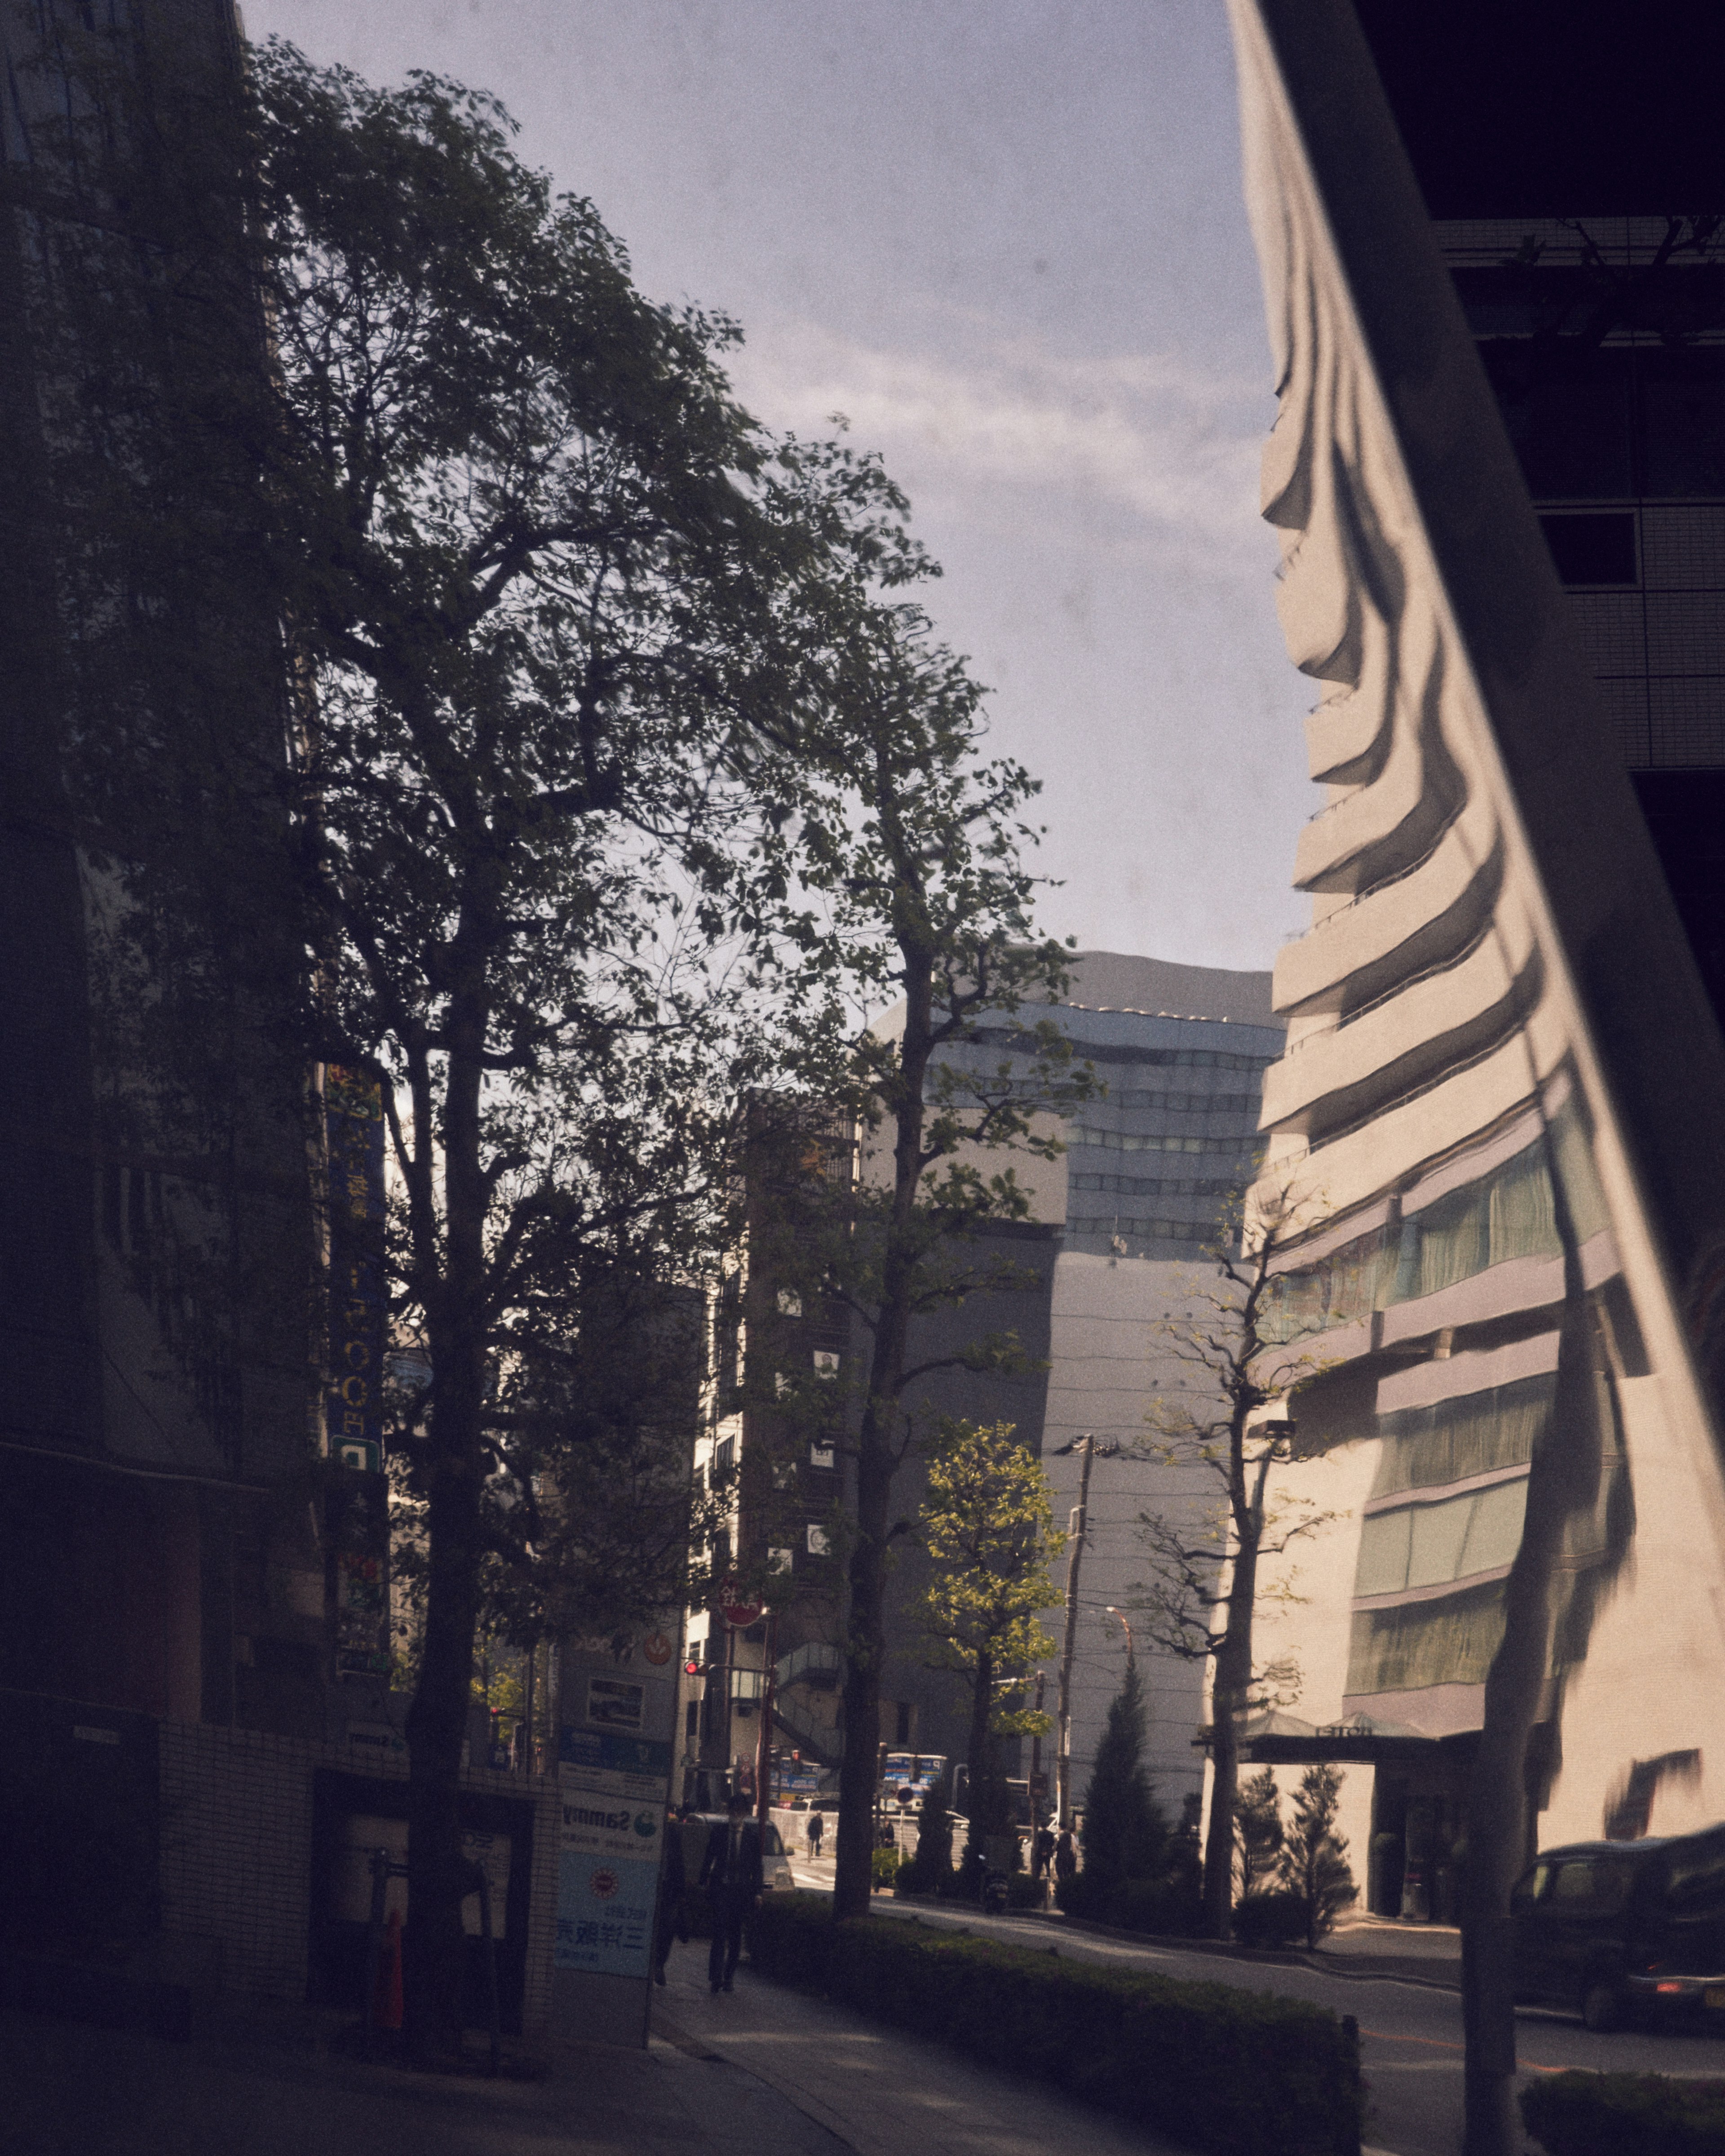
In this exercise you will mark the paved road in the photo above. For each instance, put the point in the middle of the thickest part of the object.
(1410, 2033)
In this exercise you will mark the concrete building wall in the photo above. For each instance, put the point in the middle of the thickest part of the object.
(237, 1851)
(1501, 1103)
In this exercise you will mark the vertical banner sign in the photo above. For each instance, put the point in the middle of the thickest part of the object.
(353, 1105)
(613, 1788)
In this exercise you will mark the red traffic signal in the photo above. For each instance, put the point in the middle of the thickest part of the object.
(691, 1669)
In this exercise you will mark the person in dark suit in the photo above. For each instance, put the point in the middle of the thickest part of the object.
(732, 1873)
(673, 1885)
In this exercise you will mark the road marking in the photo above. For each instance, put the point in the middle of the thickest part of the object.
(1441, 2044)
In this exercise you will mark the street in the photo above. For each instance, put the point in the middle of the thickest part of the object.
(1410, 2032)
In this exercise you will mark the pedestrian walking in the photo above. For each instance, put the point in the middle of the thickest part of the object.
(673, 1886)
(1065, 1859)
(1042, 1851)
(817, 1828)
(732, 1873)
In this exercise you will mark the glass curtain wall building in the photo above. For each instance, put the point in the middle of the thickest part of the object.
(1152, 1165)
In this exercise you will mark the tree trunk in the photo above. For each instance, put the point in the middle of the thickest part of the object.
(984, 1802)
(877, 1462)
(437, 1722)
(853, 1880)
(1562, 1480)
(1228, 1695)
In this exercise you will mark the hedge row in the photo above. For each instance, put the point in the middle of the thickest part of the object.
(1583, 2114)
(1239, 2073)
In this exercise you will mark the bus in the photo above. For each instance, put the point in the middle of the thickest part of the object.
(906, 1777)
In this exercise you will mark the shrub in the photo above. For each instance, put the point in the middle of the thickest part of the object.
(1237, 2073)
(1022, 1891)
(1171, 1905)
(885, 1864)
(1582, 2114)
(930, 1869)
(1274, 1918)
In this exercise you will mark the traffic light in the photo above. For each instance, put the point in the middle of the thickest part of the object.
(691, 1669)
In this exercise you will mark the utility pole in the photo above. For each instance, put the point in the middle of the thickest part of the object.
(1036, 1782)
(764, 1751)
(1085, 1444)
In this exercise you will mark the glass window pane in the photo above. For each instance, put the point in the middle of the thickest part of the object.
(1382, 1567)
(1438, 1532)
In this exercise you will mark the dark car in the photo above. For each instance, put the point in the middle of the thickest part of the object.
(1624, 1930)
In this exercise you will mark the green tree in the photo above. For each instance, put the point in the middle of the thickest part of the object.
(906, 849)
(1258, 1831)
(988, 1530)
(539, 577)
(1314, 1856)
(1125, 1835)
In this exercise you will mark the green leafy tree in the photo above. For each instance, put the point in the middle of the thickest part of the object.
(906, 851)
(1125, 1835)
(1258, 1831)
(536, 579)
(988, 1530)
(1314, 1856)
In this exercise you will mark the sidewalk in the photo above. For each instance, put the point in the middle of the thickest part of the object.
(876, 2090)
(279, 2090)
(761, 2067)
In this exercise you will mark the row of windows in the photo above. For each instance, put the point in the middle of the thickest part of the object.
(1453, 1440)
(1143, 1186)
(1506, 1214)
(1228, 1104)
(1167, 1231)
(1190, 1058)
(1432, 1545)
(1087, 1134)
(1450, 1641)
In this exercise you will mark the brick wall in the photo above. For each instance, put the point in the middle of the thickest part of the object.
(236, 1851)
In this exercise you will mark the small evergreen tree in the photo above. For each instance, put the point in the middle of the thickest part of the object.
(1258, 1831)
(1314, 1857)
(1125, 1835)
(931, 1866)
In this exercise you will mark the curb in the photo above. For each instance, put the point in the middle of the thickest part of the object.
(1354, 1969)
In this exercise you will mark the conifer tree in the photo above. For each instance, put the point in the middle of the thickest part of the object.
(1125, 1835)
(931, 1866)
(1258, 1831)
(1314, 1858)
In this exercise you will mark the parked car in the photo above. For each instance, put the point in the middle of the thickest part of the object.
(775, 1860)
(1616, 1931)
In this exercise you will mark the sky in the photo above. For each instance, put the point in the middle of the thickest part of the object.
(1006, 239)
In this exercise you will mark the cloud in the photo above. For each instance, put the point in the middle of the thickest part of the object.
(1175, 449)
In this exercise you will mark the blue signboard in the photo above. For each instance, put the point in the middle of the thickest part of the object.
(603, 1751)
(604, 1914)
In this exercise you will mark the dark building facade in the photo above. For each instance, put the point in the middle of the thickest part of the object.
(1574, 165)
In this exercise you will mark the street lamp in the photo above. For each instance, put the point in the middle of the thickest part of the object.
(1125, 1623)
(1088, 1444)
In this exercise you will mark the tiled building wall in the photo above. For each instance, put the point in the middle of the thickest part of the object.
(236, 1851)
(1658, 653)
